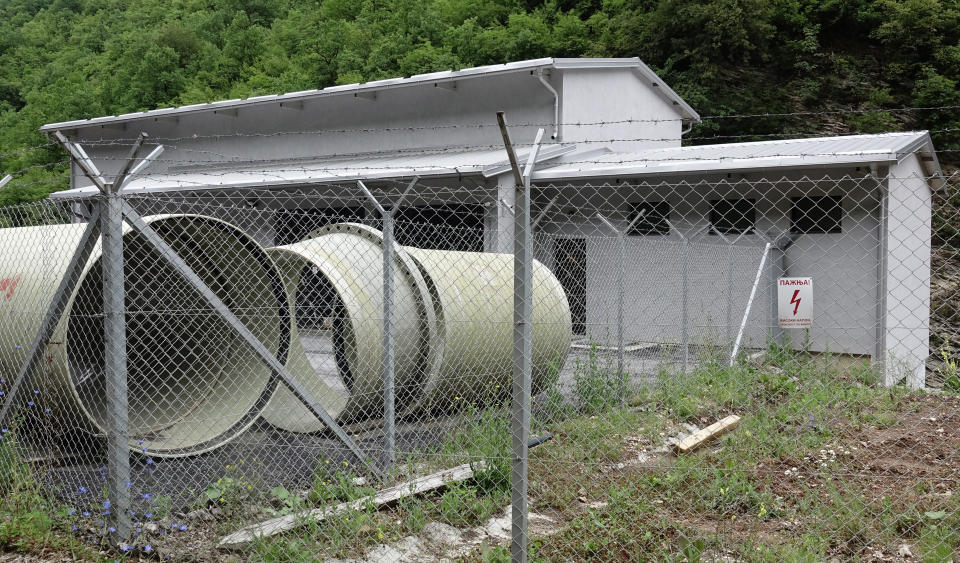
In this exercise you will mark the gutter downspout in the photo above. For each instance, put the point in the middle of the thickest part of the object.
(687, 129)
(556, 105)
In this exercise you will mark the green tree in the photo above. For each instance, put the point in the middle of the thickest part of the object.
(71, 59)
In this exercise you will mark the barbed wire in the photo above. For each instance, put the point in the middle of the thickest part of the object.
(493, 124)
(454, 149)
(44, 166)
(115, 141)
(28, 149)
(461, 148)
(518, 143)
(604, 159)
(348, 191)
(238, 199)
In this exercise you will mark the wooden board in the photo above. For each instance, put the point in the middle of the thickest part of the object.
(417, 486)
(704, 435)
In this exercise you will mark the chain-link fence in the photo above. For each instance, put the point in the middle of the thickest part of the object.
(326, 372)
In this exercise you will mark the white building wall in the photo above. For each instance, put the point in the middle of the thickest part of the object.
(907, 302)
(455, 116)
(500, 215)
(844, 265)
(631, 115)
(844, 271)
(618, 109)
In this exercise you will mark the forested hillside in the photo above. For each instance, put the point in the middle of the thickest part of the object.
(69, 59)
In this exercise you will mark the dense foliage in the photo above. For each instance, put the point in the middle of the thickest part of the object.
(70, 59)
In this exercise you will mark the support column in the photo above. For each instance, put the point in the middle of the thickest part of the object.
(522, 341)
(685, 305)
(880, 338)
(505, 220)
(115, 366)
(389, 359)
(389, 388)
(778, 269)
(621, 289)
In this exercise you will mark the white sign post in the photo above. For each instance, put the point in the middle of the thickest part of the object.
(795, 302)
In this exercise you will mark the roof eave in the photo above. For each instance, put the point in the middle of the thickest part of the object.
(382, 85)
(922, 146)
(714, 166)
(364, 87)
(687, 111)
(88, 191)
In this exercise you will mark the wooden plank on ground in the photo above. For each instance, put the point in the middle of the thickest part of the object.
(417, 486)
(704, 435)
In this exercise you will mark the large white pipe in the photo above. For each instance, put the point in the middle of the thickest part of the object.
(453, 319)
(335, 286)
(474, 342)
(193, 385)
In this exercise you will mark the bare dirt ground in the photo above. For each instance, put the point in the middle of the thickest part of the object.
(914, 462)
(922, 445)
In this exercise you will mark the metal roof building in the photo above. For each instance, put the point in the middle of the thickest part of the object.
(614, 145)
(792, 154)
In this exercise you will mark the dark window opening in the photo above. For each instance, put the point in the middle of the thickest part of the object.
(294, 225)
(733, 216)
(816, 215)
(570, 265)
(441, 227)
(652, 218)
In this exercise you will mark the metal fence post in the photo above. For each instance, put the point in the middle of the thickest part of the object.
(778, 269)
(620, 290)
(389, 356)
(622, 239)
(685, 330)
(389, 390)
(522, 342)
(115, 365)
(728, 320)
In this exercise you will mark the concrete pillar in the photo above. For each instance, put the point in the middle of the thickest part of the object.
(503, 229)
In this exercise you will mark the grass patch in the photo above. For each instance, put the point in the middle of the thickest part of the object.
(31, 522)
(483, 435)
(596, 383)
(796, 408)
(740, 497)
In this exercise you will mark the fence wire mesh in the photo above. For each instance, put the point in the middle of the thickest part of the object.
(654, 316)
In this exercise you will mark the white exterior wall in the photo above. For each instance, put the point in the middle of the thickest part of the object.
(844, 271)
(907, 302)
(653, 274)
(844, 267)
(625, 112)
(636, 109)
(500, 215)
(410, 118)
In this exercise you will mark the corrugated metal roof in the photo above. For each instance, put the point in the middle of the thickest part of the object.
(791, 153)
(230, 175)
(419, 79)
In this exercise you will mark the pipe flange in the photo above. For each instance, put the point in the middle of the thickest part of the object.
(426, 309)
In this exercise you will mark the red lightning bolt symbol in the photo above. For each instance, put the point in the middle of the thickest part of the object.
(795, 301)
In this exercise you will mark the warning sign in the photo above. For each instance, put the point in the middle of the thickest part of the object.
(795, 302)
